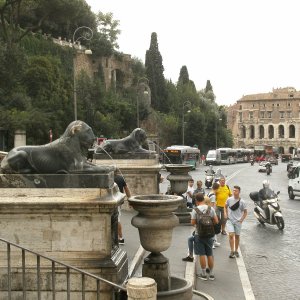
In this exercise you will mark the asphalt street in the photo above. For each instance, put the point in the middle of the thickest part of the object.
(271, 256)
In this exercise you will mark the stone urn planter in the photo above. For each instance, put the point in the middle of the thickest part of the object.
(179, 177)
(155, 221)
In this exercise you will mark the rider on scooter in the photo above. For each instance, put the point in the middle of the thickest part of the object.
(210, 170)
(264, 194)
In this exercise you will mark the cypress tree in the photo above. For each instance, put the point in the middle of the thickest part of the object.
(154, 72)
(208, 86)
(183, 76)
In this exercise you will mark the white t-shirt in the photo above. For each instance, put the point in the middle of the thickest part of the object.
(191, 190)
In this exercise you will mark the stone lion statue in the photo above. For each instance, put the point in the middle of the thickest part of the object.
(132, 143)
(63, 156)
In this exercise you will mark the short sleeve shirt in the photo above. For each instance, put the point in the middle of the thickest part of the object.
(191, 190)
(235, 215)
(203, 209)
(222, 195)
(212, 197)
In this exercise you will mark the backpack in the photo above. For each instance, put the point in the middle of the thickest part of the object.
(205, 225)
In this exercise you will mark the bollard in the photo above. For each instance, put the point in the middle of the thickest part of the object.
(141, 288)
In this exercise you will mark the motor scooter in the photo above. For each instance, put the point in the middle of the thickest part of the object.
(268, 168)
(268, 211)
(209, 179)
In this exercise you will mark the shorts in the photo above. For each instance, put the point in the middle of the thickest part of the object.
(203, 246)
(234, 227)
(220, 214)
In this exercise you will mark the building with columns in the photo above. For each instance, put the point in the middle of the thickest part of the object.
(267, 119)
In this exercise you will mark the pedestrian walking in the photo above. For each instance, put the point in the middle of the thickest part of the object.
(236, 212)
(122, 185)
(222, 194)
(189, 193)
(199, 189)
(203, 218)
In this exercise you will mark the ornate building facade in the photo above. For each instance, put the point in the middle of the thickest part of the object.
(267, 119)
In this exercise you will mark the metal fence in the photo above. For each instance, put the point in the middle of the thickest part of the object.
(117, 291)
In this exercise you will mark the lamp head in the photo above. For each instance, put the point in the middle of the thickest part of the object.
(88, 52)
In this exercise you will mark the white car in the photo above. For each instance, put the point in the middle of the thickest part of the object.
(262, 166)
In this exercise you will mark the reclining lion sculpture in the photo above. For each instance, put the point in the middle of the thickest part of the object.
(66, 155)
(130, 144)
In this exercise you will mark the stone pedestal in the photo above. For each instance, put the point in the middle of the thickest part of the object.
(77, 226)
(141, 171)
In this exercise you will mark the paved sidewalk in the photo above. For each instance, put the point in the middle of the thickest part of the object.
(227, 284)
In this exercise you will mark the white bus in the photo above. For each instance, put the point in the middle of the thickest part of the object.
(178, 154)
(228, 155)
(243, 155)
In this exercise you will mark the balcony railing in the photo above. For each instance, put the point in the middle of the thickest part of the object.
(117, 291)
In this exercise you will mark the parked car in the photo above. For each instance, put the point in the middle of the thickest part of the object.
(273, 160)
(262, 166)
(260, 158)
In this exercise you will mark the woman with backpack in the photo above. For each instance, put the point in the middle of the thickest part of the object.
(203, 218)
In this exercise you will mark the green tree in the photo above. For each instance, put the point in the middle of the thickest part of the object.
(154, 72)
(18, 18)
(209, 93)
(108, 28)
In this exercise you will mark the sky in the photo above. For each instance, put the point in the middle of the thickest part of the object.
(242, 46)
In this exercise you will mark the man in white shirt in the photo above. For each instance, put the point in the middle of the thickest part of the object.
(189, 193)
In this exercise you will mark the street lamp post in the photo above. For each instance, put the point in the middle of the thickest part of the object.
(88, 34)
(217, 120)
(185, 104)
(142, 82)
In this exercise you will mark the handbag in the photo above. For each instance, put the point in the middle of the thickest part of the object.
(235, 206)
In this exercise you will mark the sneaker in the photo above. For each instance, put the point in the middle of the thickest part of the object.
(236, 254)
(211, 277)
(121, 241)
(188, 258)
(224, 232)
(217, 244)
(232, 255)
(202, 277)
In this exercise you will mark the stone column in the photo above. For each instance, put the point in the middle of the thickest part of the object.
(20, 138)
(141, 288)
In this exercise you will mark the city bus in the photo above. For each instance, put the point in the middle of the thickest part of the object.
(243, 154)
(228, 155)
(178, 154)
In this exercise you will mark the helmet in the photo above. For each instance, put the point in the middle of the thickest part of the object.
(266, 183)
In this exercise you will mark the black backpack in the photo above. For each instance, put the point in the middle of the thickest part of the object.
(205, 225)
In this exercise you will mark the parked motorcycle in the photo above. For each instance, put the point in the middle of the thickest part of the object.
(268, 211)
(252, 162)
(209, 179)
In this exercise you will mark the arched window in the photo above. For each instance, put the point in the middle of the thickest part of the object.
(252, 132)
(261, 131)
(271, 132)
(281, 131)
(291, 131)
(243, 132)
(281, 150)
